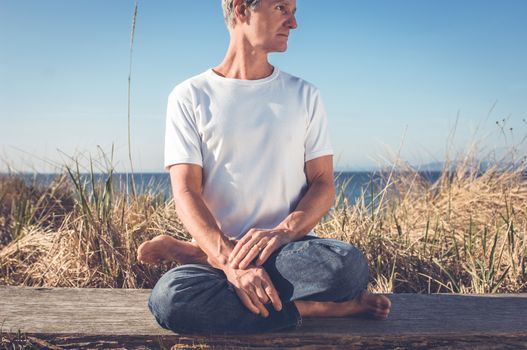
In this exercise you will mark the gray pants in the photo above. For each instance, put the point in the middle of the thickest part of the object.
(198, 298)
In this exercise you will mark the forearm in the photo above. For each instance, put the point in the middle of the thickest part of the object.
(314, 204)
(200, 223)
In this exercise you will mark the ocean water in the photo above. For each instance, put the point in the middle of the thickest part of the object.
(349, 184)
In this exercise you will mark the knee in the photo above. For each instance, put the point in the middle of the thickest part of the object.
(356, 271)
(163, 301)
(173, 300)
(350, 275)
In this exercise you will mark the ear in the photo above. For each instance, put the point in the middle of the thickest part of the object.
(240, 10)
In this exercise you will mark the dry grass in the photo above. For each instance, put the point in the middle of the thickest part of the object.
(465, 233)
(92, 244)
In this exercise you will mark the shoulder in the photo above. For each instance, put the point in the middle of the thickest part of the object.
(184, 90)
(304, 90)
(297, 81)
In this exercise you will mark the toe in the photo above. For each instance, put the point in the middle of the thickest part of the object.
(380, 315)
(383, 302)
(141, 250)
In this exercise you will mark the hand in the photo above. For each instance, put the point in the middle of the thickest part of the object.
(257, 242)
(254, 288)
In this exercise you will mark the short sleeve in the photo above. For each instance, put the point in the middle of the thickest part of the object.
(317, 141)
(182, 140)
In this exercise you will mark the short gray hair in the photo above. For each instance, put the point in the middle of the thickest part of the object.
(228, 10)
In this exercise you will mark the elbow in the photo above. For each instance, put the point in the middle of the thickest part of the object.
(326, 193)
(332, 194)
(329, 194)
(181, 195)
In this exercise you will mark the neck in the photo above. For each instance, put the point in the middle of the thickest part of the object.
(244, 61)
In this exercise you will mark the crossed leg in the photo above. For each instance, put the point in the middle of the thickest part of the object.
(167, 248)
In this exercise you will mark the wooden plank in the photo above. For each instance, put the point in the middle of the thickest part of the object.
(510, 342)
(77, 310)
(112, 317)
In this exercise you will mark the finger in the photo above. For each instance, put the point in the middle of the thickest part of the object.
(242, 245)
(239, 245)
(247, 249)
(251, 255)
(271, 291)
(247, 302)
(268, 249)
(242, 251)
(261, 307)
(262, 295)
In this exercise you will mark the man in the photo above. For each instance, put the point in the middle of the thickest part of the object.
(251, 169)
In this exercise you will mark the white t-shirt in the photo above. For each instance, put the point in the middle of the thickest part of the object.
(252, 138)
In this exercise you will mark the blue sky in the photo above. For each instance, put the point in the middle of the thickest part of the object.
(389, 72)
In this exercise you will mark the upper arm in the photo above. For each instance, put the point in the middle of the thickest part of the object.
(320, 170)
(182, 135)
(317, 142)
(186, 177)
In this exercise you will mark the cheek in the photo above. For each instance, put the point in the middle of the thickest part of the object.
(262, 29)
(259, 36)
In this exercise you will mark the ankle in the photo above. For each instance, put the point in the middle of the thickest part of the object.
(320, 308)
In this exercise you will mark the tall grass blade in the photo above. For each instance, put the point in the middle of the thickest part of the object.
(132, 36)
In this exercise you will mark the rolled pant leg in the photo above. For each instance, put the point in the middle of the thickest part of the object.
(198, 298)
(318, 269)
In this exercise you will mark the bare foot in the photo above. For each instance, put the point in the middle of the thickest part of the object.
(374, 305)
(167, 248)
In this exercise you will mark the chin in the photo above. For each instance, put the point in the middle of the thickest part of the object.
(281, 48)
(277, 48)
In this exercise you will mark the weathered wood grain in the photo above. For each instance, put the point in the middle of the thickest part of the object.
(113, 318)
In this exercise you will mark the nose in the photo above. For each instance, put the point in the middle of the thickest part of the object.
(291, 23)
